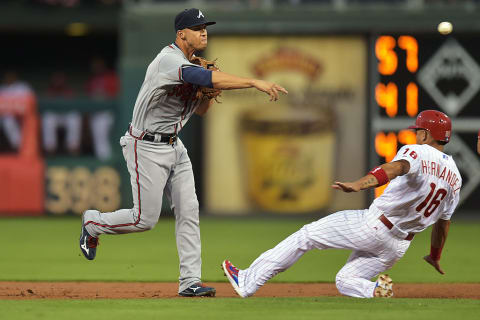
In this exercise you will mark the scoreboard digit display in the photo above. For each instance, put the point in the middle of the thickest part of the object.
(410, 73)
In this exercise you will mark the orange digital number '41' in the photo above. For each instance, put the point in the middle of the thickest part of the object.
(387, 98)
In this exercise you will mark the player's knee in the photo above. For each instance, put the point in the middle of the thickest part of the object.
(146, 226)
(188, 219)
(146, 221)
(187, 210)
(192, 206)
(340, 282)
(338, 279)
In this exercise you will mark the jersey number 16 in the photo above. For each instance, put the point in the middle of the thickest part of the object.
(433, 202)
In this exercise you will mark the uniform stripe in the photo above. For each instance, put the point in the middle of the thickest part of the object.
(138, 186)
(139, 201)
(131, 133)
(184, 112)
(187, 109)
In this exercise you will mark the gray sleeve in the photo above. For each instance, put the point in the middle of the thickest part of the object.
(170, 69)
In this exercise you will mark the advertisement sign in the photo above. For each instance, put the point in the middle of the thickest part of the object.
(59, 160)
(282, 157)
(21, 166)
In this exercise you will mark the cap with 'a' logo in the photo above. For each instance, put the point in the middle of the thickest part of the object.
(190, 18)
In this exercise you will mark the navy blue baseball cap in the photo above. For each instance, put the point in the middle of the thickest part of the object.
(190, 18)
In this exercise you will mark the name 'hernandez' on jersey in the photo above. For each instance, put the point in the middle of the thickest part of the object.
(428, 192)
(165, 103)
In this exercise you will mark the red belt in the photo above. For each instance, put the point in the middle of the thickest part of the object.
(389, 225)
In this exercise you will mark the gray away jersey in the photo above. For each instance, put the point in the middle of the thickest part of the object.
(165, 102)
(428, 192)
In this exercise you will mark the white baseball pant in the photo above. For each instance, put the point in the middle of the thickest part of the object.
(375, 249)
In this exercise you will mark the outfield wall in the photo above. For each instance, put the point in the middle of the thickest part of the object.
(357, 77)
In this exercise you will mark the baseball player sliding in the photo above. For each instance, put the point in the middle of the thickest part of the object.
(156, 158)
(424, 190)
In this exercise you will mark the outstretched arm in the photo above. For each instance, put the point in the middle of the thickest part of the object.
(389, 171)
(225, 81)
(439, 236)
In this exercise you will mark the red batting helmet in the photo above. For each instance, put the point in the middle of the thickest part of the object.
(437, 123)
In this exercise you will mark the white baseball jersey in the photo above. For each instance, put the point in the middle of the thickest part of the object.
(412, 202)
(428, 192)
(165, 103)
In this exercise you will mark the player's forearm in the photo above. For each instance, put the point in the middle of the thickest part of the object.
(225, 81)
(391, 170)
(440, 233)
(366, 182)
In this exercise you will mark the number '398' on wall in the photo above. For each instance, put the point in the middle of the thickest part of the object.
(79, 188)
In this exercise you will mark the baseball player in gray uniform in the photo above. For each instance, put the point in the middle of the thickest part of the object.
(423, 190)
(156, 158)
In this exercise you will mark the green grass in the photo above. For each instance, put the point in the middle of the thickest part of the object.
(43, 249)
(338, 308)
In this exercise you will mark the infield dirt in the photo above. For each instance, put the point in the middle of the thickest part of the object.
(123, 290)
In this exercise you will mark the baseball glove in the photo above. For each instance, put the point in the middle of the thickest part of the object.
(206, 92)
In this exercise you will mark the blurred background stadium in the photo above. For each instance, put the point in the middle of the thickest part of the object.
(358, 73)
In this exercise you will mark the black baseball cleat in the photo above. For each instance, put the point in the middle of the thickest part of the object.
(198, 290)
(88, 244)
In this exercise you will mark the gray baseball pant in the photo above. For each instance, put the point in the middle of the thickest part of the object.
(156, 168)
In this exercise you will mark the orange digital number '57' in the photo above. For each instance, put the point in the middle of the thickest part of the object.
(387, 57)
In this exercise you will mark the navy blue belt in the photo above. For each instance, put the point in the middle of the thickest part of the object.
(165, 138)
